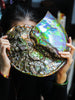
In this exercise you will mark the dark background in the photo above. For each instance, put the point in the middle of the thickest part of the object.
(66, 7)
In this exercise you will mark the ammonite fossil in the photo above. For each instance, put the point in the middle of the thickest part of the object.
(34, 50)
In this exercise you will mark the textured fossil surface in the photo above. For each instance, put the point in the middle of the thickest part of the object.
(28, 57)
(31, 53)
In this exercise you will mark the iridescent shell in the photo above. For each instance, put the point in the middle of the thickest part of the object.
(48, 32)
(34, 50)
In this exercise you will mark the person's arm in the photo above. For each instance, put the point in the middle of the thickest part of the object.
(59, 90)
(4, 69)
(4, 60)
(60, 87)
(62, 73)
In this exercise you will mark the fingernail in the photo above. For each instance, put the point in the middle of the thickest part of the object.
(70, 37)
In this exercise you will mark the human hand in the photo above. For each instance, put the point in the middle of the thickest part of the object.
(4, 60)
(61, 74)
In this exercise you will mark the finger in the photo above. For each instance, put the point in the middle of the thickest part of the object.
(5, 43)
(65, 56)
(1, 40)
(68, 57)
(64, 53)
(72, 48)
(4, 37)
(70, 40)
